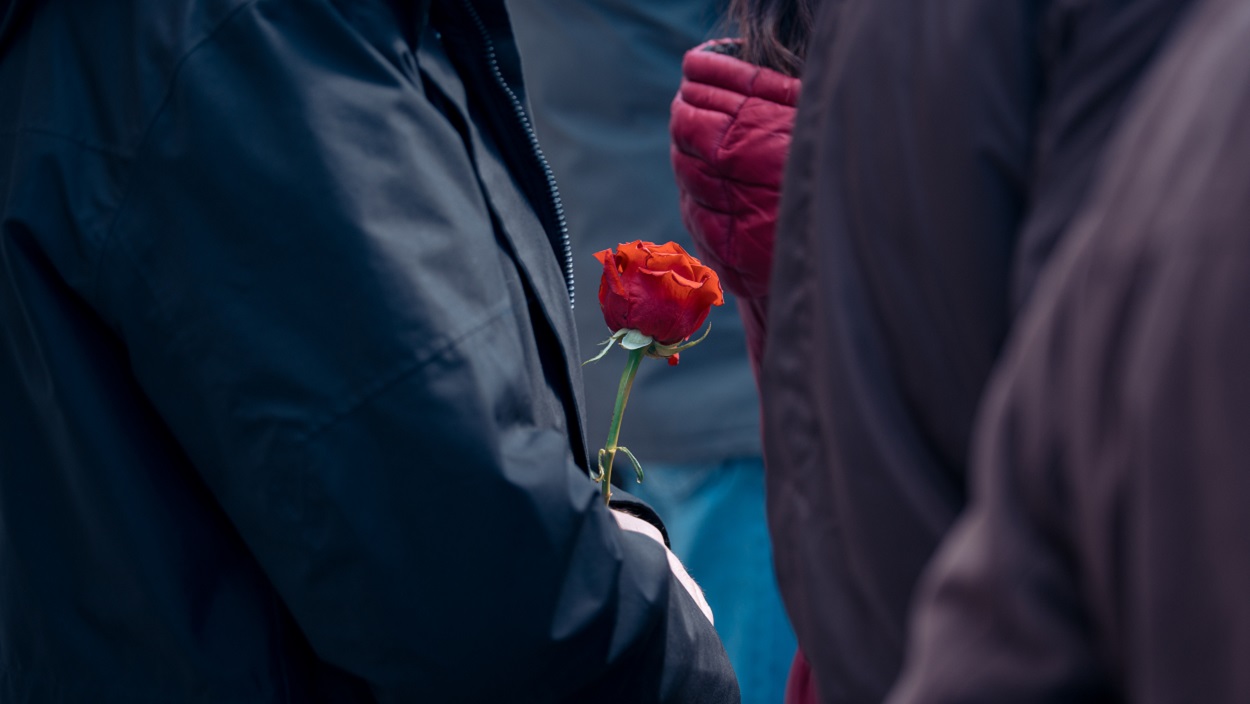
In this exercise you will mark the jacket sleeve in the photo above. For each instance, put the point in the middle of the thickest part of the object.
(728, 151)
(308, 284)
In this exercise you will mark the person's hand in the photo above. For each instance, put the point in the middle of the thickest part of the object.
(633, 523)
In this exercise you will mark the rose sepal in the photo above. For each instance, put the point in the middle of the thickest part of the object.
(607, 345)
(635, 340)
(662, 351)
(606, 456)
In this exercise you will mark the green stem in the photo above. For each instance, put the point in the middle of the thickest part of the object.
(614, 430)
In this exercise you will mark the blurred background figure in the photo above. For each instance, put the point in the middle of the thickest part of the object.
(1105, 554)
(939, 153)
(601, 75)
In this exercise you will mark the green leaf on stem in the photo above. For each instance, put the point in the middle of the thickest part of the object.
(634, 340)
(662, 351)
(632, 460)
(603, 456)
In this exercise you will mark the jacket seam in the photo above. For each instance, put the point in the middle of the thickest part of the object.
(128, 189)
(715, 210)
(115, 152)
(717, 170)
(373, 389)
(398, 375)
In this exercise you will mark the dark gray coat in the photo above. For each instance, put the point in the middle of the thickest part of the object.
(1105, 556)
(940, 150)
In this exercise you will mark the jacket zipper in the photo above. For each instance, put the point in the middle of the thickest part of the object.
(557, 207)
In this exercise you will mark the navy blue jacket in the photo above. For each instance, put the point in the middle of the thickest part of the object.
(289, 378)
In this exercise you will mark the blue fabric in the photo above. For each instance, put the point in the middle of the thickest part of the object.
(715, 518)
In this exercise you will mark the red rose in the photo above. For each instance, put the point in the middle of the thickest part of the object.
(658, 290)
(654, 297)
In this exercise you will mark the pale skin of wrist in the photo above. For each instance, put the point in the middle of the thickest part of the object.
(637, 525)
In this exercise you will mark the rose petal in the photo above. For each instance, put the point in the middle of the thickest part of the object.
(659, 290)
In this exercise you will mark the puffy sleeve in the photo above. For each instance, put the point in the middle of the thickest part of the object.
(730, 132)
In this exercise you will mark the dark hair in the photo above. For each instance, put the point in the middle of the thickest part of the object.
(774, 32)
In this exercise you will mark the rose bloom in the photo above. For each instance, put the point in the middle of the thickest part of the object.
(658, 290)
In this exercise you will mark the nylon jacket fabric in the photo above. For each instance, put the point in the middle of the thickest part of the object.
(1104, 556)
(289, 373)
(939, 152)
(731, 124)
